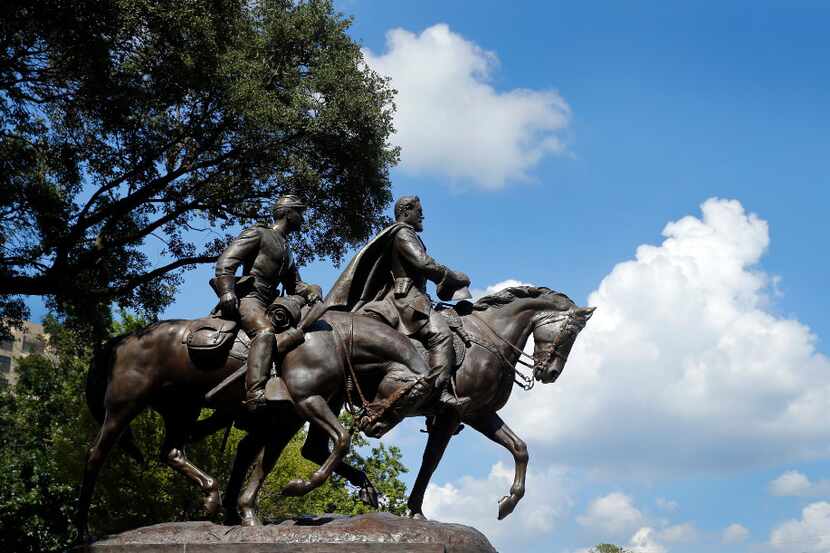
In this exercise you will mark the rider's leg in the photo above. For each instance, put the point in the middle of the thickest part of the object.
(255, 322)
(437, 338)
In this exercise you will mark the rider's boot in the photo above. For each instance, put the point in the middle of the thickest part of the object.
(259, 369)
(442, 361)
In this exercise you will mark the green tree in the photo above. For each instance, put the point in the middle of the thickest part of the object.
(46, 429)
(608, 548)
(123, 121)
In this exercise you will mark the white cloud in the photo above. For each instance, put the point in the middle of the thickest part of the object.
(645, 541)
(475, 502)
(790, 483)
(451, 121)
(683, 366)
(793, 483)
(734, 533)
(679, 533)
(810, 534)
(614, 513)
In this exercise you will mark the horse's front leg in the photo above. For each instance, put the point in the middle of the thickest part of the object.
(318, 412)
(494, 428)
(440, 433)
(316, 449)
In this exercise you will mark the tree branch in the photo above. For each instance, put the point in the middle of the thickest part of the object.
(155, 273)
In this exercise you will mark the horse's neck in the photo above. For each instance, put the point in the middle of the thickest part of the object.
(512, 322)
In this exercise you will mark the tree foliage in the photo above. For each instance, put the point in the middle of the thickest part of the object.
(128, 123)
(47, 428)
(608, 548)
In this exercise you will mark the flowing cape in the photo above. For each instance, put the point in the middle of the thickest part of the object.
(366, 278)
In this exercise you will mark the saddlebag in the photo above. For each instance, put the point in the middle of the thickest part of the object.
(209, 334)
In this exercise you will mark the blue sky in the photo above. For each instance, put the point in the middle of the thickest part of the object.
(551, 143)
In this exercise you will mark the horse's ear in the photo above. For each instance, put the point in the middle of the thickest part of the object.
(587, 312)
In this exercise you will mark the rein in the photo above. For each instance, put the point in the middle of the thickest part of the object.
(524, 381)
(351, 378)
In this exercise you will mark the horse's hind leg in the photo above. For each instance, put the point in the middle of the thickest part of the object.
(316, 449)
(116, 420)
(265, 464)
(247, 450)
(177, 422)
(318, 412)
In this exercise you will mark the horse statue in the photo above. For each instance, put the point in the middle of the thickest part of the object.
(498, 327)
(342, 352)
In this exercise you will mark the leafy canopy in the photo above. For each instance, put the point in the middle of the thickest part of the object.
(134, 134)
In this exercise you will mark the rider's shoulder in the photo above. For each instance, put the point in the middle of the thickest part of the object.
(254, 230)
(405, 232)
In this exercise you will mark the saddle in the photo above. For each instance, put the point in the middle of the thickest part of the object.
(460, 338)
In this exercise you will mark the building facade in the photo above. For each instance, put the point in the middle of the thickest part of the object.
(27, 341)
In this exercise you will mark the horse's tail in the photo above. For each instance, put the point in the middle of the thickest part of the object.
(97, 381)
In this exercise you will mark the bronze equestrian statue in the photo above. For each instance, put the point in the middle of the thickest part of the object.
(266, 259)
(344, 357)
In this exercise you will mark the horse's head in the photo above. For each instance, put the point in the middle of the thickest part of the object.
(554, 334)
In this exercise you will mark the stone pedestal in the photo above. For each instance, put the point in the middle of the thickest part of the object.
(370, 533)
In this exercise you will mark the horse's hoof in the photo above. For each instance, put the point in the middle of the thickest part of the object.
(250, 519)
(416, 515)
(213, 503)
(296, 488)
(506, 505)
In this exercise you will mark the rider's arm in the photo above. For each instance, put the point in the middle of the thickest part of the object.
(244, 247)
(293, 284)
(411, 249)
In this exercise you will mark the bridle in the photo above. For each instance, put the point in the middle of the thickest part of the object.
(524, 381)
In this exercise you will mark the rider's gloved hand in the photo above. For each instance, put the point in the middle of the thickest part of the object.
(229, 304)
(459, 279)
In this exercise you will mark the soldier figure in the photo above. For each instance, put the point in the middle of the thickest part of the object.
(266, 261)
(387, 280)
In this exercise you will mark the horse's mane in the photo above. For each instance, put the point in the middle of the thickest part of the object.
(503, 297)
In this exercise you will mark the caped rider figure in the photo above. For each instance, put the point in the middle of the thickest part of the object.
(387, 280)
(266, 260)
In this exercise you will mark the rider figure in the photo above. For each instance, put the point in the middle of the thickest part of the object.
(411, 267)
(266, 261)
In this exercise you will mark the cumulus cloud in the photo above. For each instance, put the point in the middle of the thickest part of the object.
(679, 533)
(614, 514)
(645, 540)
(810, 534)
(451, 121)
(793, 483)
(734, 533)
(684, 366)
(475, 502)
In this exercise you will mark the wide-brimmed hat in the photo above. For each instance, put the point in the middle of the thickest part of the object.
(289, 200)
